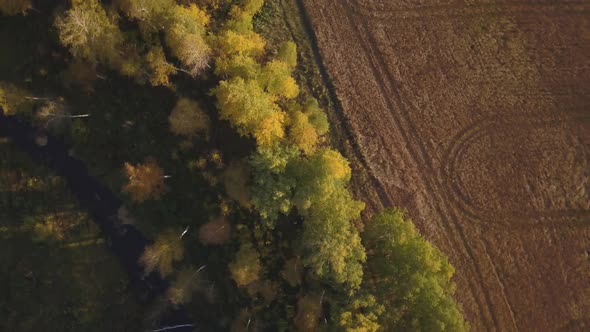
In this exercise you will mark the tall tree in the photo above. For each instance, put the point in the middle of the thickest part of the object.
(184, 34)
(411, 278)
(89, 33)
(332, 245)
(144, 180)
(250, 110)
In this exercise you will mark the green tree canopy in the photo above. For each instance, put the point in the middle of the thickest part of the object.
(411, 277)
(272, 187)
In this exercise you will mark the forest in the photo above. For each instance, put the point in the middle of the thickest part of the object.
(212, 126)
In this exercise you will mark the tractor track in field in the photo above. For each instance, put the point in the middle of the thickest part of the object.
(386, 122)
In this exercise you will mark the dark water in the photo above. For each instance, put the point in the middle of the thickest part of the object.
(125, 241)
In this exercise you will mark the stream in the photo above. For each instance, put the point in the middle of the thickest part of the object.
(125, 241)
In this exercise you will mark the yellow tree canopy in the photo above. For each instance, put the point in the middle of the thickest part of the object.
(159, 69)
(270, 129)
(247, 43)
(144, 180)
(89, 33)
(246, 106)
(188, 119)
(13, 99)
(161, 255)
(238, 65)
(302, 133)
(276, 79)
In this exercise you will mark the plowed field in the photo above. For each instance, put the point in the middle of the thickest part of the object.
(474, 115)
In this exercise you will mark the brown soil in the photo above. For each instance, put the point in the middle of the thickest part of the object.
(475, 116)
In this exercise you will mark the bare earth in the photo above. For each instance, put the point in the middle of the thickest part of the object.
(475, 116)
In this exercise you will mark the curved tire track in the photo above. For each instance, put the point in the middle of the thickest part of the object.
(418, 152)
(457, 150)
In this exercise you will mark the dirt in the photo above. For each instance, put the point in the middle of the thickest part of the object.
(475, 117)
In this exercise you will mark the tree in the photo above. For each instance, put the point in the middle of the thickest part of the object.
(302, 133)
(246, 266)
(89, 33)
(309, 310)
(288, 54)
(144, 180)
(184, 35)
(187, 119)
(317, 117)
(236, 183)
(332, 245)
(411, 278)
(238, 65)
(360, 315)
(241, 15)
(272, 187)
(217, 231)
(14, 100)
(159, 70)
(249, 109)
(292, 271)
(14, 7)
(151, 14)
(271, 129)
(276, 79)
(160, 256)
(248, 43)
(187, 282)
(319, 176)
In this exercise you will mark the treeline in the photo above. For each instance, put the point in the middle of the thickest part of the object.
(388, 278)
